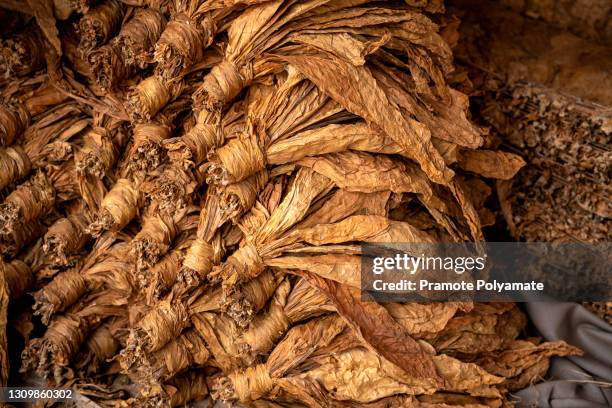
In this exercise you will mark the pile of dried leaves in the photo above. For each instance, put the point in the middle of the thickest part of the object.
(186, 185)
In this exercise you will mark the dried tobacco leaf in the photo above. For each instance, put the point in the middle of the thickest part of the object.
(491, 164)
(522, 362)
(375, 326)
(370, 102)
(339, 375)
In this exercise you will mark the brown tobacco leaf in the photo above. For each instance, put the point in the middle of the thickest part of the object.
(523, 362)
(340, 375)
(375, 326)
(491, 164)
(330, 139)
(337, 267)
(344, 202)
(420, 319)
(355, 228)
(356, 89)
(487, 327)
(367, 173)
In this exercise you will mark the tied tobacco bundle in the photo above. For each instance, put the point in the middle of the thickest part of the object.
(67, 236)
(204, 251)
(119, 206)
(138, 35)
(150, 96)
(146, 153)
(190, 31)
(52, 353)
(100, 147)
(67, 287)
(153, 336)
(129, 51)
(30, 201)
(294, 106)
(182, 43)
(170, 189)
(192, 148)
(186, 351)
(23, 53)
(290, 305)
(99, 24)
(157, 234)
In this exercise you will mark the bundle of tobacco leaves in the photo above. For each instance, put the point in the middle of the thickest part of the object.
(185, 187)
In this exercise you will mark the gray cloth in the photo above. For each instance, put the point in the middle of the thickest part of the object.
(574, 382)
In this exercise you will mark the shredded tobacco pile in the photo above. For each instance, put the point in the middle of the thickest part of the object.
(551, 102)
(185, 186)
